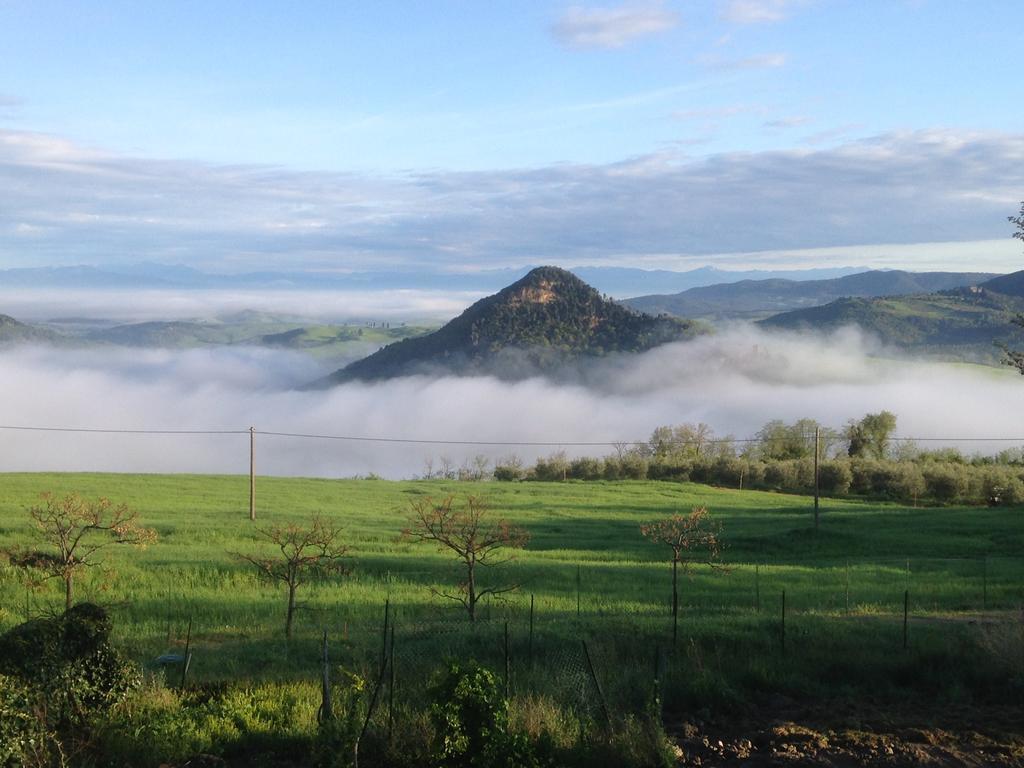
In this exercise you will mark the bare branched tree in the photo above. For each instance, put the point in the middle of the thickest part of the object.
(466, 530)
(304, 553)
(77, 529)
(1015, 357)
(694, 539)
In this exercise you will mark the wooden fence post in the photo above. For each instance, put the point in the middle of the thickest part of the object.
(783, 627)
(906, 612)
(326, 711)
(531, 631)
(252, 473)
(187, 658)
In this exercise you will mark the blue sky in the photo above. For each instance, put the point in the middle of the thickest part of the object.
(464, 135)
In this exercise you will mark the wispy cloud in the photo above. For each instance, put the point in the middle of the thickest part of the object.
(60, 203)
(758, 11)
(582, 27)
(759, 61)
(787, 122)
(9, 106)
(832, 134)
(715, 113)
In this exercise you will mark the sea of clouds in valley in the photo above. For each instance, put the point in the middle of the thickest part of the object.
(735, 381)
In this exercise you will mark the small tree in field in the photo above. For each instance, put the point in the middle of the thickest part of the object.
(304, 553)
(693, 539)
(468, 532)
(78, 529)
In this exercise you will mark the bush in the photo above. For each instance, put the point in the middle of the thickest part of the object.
(586, 468)
(554, 468)
(729, 471)
(945, 482)
(669, 469)
(791, 475)
(471, 724)
(634, 468)
(834, 478)
(508, 472)
(57, 677)
(996, 486)
(629, 467)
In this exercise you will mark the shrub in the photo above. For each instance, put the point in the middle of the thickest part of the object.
(945, 482)
(586, 468)
(509, 468)
(471, 724)
(995, 486)
(834, 478)
(634, 468)
(790, 475)
(729, 471)
(57, 677)
(554, 467)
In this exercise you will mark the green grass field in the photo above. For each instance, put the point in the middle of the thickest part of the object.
(959, 559)
(592, 577)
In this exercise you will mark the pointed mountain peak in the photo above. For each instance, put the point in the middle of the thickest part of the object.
(535, 325)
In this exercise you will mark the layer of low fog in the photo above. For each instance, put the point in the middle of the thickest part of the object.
(125, 306)
(734, 381)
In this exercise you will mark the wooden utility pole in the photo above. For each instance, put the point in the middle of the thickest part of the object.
(817, 439)
(252, 473)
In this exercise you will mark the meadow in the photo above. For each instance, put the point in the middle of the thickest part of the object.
(591, 577)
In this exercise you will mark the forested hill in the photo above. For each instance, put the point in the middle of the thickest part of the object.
(15, 332)
(537, 324)
(961, 323)
(754, 299)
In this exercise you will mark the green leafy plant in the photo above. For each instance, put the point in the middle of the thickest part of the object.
(470, 718)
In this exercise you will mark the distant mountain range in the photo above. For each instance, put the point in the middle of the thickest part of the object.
(960, 323)
(616, 281)
(538, 324)
(757, 299)
(551, 316)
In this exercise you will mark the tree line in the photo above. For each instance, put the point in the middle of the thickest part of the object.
(862, 459)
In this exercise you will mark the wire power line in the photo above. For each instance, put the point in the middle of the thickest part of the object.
(482, 443)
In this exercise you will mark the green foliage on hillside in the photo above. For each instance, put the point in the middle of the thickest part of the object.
(964, 322)
(538, 323)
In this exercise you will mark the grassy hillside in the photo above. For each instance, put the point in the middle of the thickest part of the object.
(202, 519)
(592, 578)
(962, 323)
(332, 342)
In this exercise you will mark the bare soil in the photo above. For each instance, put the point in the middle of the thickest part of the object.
(844, 735)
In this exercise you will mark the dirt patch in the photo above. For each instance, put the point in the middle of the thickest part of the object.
(826, 734)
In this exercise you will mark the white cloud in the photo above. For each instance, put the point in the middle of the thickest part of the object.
(82, 206)
(615, 27)
(757, 11)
